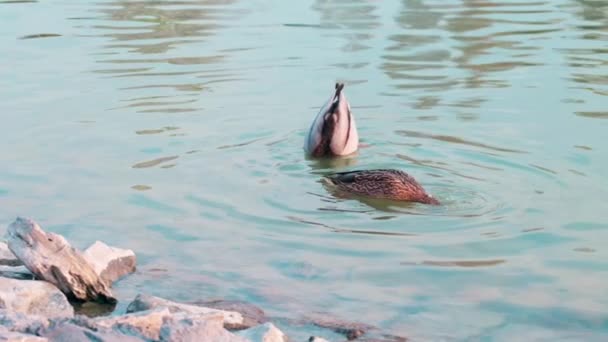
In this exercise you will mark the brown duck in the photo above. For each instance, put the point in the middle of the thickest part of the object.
(381, 183)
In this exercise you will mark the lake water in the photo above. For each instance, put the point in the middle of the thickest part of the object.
(175, 128)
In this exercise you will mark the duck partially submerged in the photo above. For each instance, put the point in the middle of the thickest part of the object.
(381, 183)
(333, 131)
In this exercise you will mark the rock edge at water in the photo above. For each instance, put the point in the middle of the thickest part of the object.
(39, 310)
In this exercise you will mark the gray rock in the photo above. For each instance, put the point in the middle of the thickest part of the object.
(202, 327)
(19, 322)
(317, 339)
(69, 332)
(232, 320)
(110, 263)
(7, 257)
(16, 272)
(50, 257)
(34, 297)
(252, 315)
(12, 336)
(264, 333)
(351, 330)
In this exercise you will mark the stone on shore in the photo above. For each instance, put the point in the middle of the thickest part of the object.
(266, 332)
(19, 322)
(252, 315)
(317, 339)
(50, 257)
(16, 272)
(7, 257)
(144, 323)
(34, 298)
(202, 327)
(351, 330)
(13, 336)
(110, 263)
(232, 320)
(70, 332)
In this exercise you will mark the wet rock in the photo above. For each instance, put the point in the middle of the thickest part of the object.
(110, 263)
(7, 257)
(202, 327)
(351, 330)
(19, 322)
(232, 319)
(34, 297)
(252, 315)
(50, 257)
(264, 333)
(12, 336)
(70, 332)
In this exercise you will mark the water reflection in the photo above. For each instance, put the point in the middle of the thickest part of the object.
(162, 31)
(352, 21)
(587, 59)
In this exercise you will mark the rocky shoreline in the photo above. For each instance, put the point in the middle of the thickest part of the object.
(42, 278)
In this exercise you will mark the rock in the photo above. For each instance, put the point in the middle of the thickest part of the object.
(7, 257)
(351, 330)
(232, 320)
(70, 332)
(317, 339)
(50, 257)
(264, 333)
(34, 297)
(18, 322)
(252, 315)
(110, 263)
(16, 272)
(204, 327)
(144, 323)
(12, 336)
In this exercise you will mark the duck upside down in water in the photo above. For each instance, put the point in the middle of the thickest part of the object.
(381, 183)
(333, 131)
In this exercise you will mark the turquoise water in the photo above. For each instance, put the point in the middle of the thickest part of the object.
(175, 128)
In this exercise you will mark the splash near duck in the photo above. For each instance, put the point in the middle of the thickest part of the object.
(382, 184)
(333, 131)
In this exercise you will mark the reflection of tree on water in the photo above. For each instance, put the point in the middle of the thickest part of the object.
(416, 55)
(353, 21)
(159, 30)
(588, 62)
(444, 46)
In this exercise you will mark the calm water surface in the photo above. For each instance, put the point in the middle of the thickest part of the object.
(175, 128)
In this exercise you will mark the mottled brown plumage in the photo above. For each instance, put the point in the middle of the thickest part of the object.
(381, 183)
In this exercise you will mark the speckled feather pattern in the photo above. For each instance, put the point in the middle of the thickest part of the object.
(382, 183)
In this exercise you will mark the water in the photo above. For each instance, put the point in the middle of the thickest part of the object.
(175, 128)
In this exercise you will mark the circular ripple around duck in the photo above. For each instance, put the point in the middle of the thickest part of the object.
(455, 202)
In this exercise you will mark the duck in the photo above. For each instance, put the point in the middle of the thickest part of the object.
(389, 184)
(333, 132)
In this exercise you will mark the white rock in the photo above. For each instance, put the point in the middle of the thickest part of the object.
(145, 323)
(187, 327)
(266, 332)
(110, 263)
(232, 320)
(34, 297)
